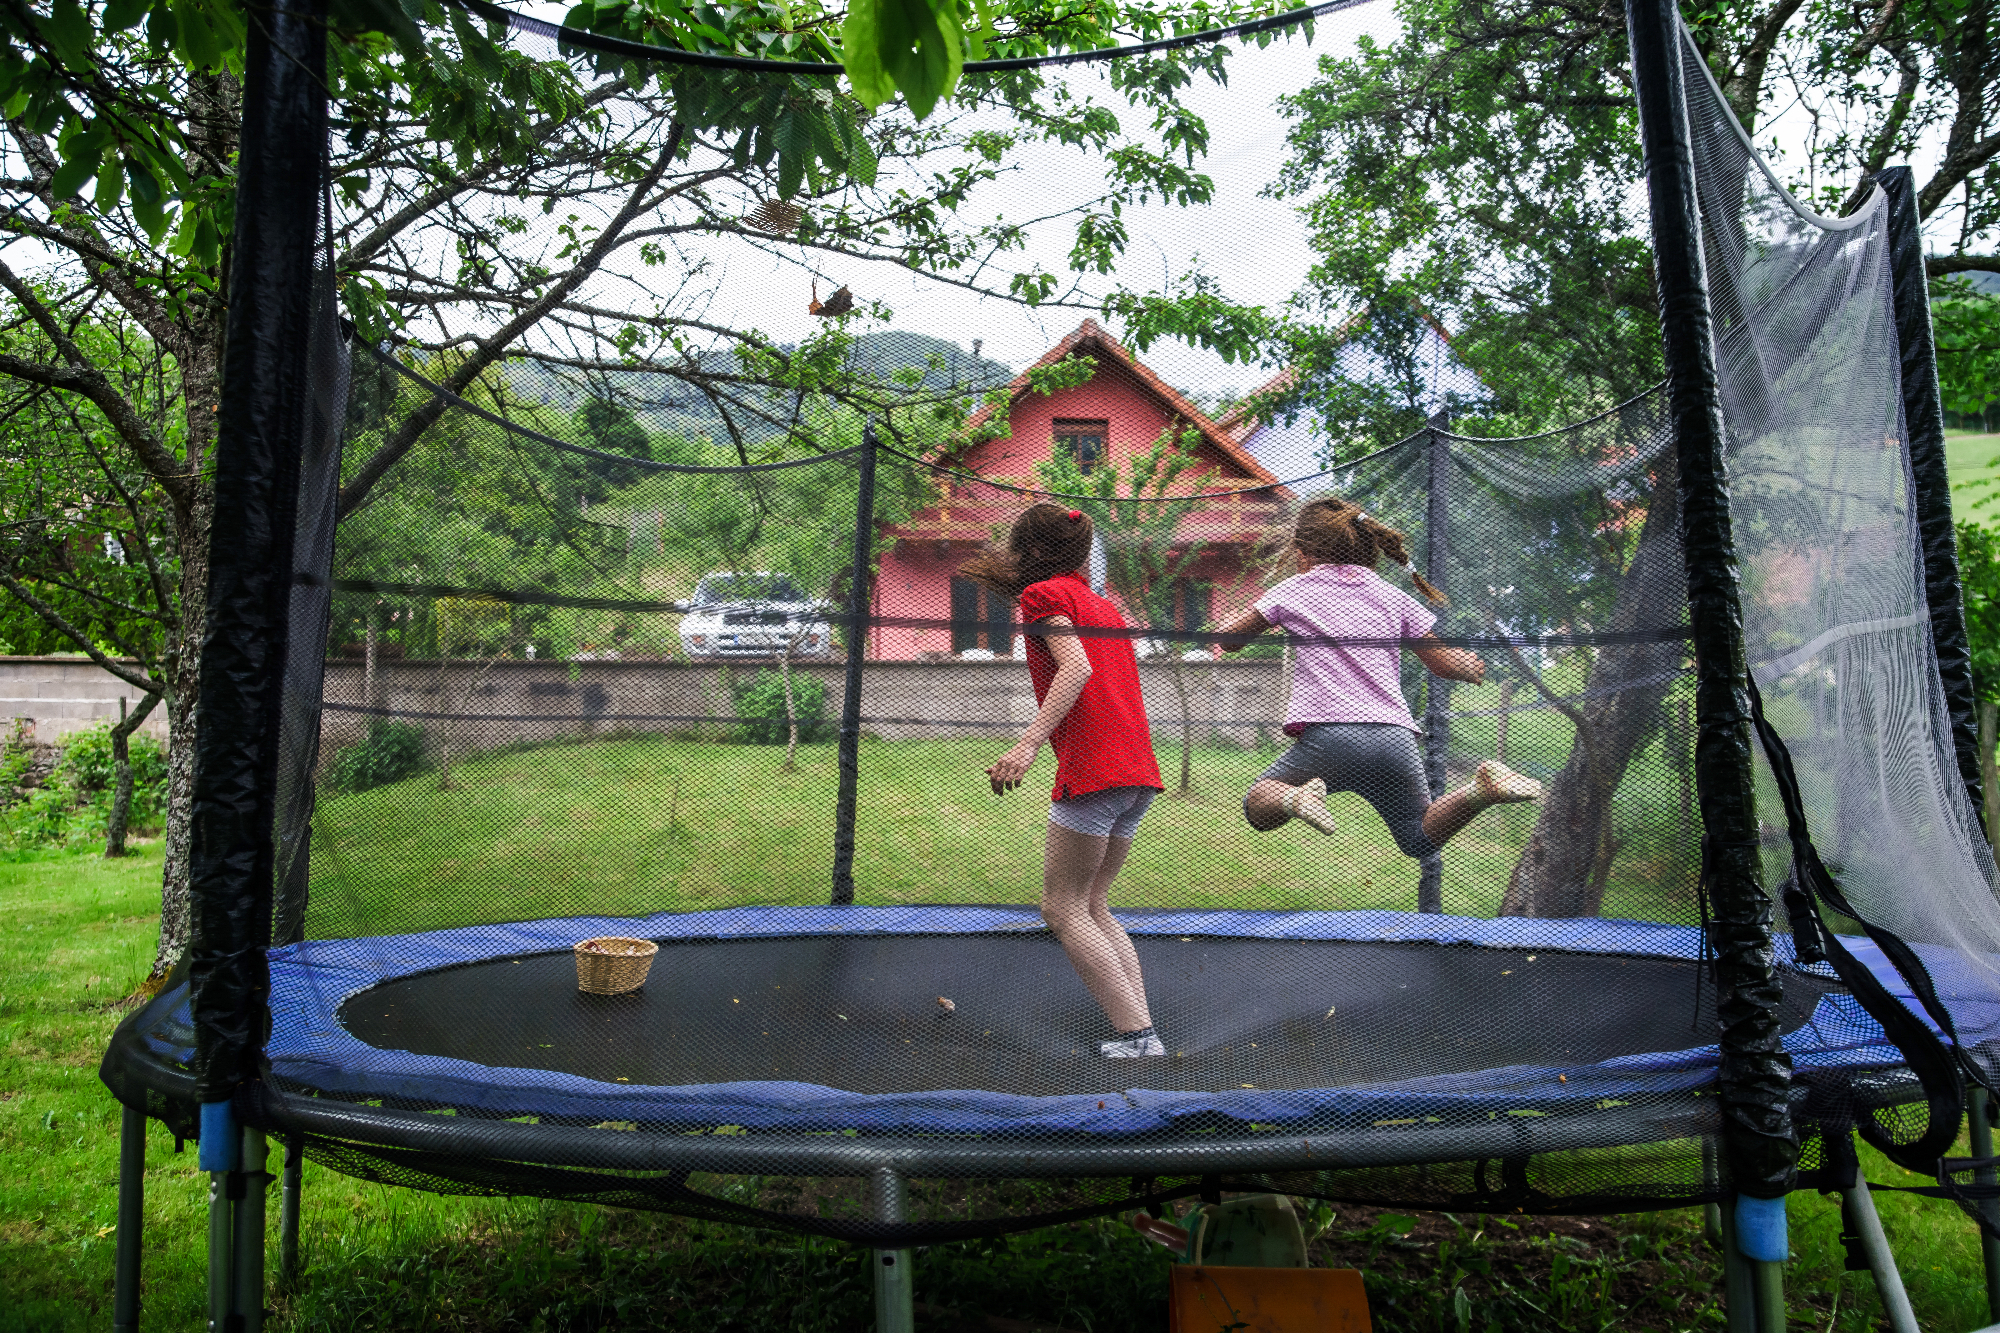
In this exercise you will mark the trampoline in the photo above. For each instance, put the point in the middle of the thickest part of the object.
(793, 1024)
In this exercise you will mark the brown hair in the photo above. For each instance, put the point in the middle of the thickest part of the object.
(1046, 541)
(1339, 532)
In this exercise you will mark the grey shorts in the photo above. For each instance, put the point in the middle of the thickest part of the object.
(1114, 812)
(1377, 761)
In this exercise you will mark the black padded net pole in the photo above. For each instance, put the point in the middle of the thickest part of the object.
(1923, 425)
(857, 656)
(1759, 1142)
(263, 420)
(1437, 691)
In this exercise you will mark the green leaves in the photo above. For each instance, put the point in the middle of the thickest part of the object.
(1967, 327)
(68, 32)
(916, 47)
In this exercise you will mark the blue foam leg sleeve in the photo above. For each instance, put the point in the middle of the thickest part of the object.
(1761, 1232)
(221, 1146)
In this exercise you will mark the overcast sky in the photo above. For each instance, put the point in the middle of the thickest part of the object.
(1254, 247)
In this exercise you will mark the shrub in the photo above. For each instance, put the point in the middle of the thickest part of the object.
(760, 708)
(72, 806)
(392, 752)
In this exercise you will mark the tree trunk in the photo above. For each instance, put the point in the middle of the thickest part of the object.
(368, 663)
(121, 756)
(214, 101)
(1178, 670)
(1556, 874)
(1507, 688)
(791, 711)
(444, 736)
(182, 668)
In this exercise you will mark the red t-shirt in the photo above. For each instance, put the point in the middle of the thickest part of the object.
(1104, 742)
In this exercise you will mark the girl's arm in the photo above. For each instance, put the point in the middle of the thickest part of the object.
(1237, 633)
(1072, 673)
(1450, 663)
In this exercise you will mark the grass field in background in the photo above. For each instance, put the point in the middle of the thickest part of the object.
(80, 935)
(633, 825)
(1968, 458)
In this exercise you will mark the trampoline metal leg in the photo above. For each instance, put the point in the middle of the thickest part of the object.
(131, 1220)
(248, 1264)
(288, 1213)
(1857, 1208)
(1980, 1117)
(1768, 1282)
(1738, 1287)
(895, 1311)
(221, 1251)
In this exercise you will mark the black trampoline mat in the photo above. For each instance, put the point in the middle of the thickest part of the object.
(862, 1013)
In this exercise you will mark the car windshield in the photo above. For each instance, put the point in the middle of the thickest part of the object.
(747, 588)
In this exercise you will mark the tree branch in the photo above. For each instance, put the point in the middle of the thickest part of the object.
(62, 626)
(488, 350)
(1941, 266)
(82, 377)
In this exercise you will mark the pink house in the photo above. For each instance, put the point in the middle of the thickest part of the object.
(1119, 412)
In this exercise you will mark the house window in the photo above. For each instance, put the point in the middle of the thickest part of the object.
(1083, 441)
(1191, 600)
(980, 618)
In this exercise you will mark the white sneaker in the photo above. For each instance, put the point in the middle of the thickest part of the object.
(1131, 1048)
(1307, 801)
(1498, 784)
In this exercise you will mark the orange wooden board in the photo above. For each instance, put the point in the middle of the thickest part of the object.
(1267, 1300)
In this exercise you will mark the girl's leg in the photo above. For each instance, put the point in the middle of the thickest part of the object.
(1493, 784)
(1071, 864)
(1107, 924)
(1289, 790)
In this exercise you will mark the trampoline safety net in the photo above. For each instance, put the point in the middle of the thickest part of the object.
(593, 571)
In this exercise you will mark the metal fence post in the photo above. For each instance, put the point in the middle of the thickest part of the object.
(857, 653)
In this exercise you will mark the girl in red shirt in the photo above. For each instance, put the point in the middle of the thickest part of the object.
(1106, 776)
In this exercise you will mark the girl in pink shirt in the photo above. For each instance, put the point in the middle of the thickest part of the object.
(1352, 729)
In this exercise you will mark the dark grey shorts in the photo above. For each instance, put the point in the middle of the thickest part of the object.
(1375, 760)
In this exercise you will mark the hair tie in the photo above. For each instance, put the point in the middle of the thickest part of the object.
(1411, 567)
(1075, 514)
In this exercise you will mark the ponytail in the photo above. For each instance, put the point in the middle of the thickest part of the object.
(1338, 532)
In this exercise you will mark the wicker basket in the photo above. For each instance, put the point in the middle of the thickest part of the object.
(613, 964)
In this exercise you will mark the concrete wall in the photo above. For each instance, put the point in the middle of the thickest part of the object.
(474, 707)
(62, 694)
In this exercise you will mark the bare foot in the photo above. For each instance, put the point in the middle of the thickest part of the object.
(1498, 784)
(1307, 801)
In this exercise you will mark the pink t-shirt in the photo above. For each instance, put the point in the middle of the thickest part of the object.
(1351, 681)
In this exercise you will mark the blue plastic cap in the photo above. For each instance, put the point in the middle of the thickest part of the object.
(1761, 1232)
(221, 1146)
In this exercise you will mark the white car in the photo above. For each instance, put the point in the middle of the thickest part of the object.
(753, 615)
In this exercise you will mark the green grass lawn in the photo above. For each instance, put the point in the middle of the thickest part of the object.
(640, 824)
(80, 936)
(1968, 459)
